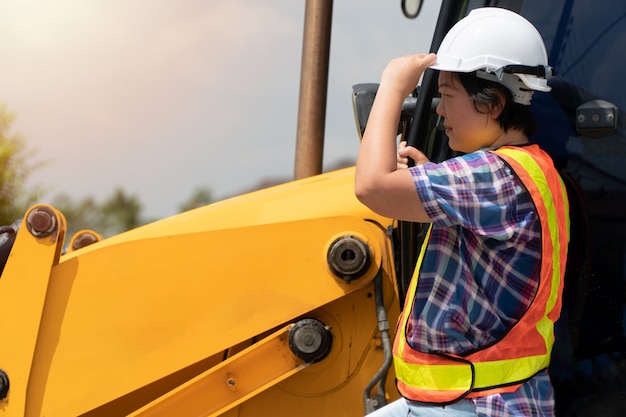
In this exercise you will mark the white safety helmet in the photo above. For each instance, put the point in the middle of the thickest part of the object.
(501, 46)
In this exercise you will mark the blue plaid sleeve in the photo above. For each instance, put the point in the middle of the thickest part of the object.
(477, 191)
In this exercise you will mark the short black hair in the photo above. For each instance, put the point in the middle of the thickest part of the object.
(484, 93)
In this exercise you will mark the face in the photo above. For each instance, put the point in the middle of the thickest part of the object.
(468, 130)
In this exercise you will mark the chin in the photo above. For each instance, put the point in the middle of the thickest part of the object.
(459, 147)
(455, 146)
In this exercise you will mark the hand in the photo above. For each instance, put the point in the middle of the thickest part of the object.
(402, 74)
(406, 152)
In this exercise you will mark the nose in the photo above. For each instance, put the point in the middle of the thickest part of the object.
(440, 109)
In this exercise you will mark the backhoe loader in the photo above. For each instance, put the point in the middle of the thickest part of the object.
(283, 301)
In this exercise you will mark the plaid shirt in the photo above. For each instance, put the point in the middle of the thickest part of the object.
(481, 268)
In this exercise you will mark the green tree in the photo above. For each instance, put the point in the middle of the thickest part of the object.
(84, 214)
(121, 212)
(116, 214)
(200, 197)
(15, 167)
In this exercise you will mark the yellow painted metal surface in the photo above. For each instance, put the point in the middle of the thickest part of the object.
(23, 290)
(233, 381)
(334, 387)
(130, 318)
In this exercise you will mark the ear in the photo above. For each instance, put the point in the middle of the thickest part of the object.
(496, 108)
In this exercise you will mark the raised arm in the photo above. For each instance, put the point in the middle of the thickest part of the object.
(380, 184)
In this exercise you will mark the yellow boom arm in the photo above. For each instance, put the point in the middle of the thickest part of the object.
(248, 307)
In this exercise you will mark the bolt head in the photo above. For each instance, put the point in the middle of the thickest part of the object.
(4, 385)
(41, 222)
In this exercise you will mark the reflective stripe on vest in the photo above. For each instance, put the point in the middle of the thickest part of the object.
(525, 349)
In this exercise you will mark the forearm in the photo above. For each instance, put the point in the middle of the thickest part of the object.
(378, 152)
(379, 184)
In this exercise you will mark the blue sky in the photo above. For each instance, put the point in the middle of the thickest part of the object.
(162, 97)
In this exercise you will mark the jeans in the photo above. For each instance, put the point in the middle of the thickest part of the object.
(404, 408)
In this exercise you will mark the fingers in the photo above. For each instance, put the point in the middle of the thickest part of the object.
(416, 155)
(402, 159)
(406, 152)
(403, 73)
(425, 60)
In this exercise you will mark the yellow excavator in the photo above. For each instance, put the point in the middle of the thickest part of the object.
(283, 301)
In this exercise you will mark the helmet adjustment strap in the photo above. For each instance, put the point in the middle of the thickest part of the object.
(541, 71)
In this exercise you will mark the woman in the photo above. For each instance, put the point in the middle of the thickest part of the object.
(476, 333)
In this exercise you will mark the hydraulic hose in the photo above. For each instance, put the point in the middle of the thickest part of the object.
(372, 403)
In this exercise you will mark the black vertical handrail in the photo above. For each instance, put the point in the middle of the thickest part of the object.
(411, 234)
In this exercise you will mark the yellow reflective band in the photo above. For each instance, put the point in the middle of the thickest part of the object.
(494, 373)
(411, 292)
(459, 377)
(434, 377)
(538, 176)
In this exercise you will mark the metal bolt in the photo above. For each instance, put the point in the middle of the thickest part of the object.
(310, 340)
(231, 382)
(41, 222)
(307, 339)
(4, 385)
(85, 239)
(348, 257)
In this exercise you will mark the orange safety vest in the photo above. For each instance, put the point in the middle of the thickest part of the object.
(525, 349)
